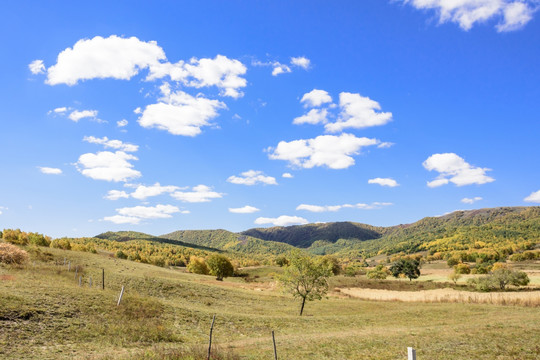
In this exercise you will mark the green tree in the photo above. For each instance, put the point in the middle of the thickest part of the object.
(380, 272)
(408, 267)
(305, 277)
(462, 269)
(503, 277)
(197, 266)
(220, 266)
(333, 263)
(455, 276)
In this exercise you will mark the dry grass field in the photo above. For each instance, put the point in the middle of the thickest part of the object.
(166, 314)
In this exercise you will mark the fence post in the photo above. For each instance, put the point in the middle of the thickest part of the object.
(69, 265)
(274, 341)
(411, 353)
(90, 282)
(120, 298)
(80, 280)
(210, 341)
(102, 279)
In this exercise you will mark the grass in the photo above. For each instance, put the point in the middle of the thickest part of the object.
(166, 314)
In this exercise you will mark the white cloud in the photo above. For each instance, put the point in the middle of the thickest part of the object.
(453, 168)
(314, 116)
(333, 208)
(287, 175)
(534, 197)
(358, 112)
(122, 123)
(180, 113)
(384, 182)
(116, 194)
(109, 166)
(283, 220)
(512, 14)
(385, 145)
(280, 69)
(36, 67)
(199, 193)
(471, 200)
(252, 177)
(222, 72)
(60, 110)
(120, 219)
(142, 192)
(316, 98)
(113, 57)
(77, 115)
(301, 61)
(50, 170)
(331, 151)
(114, 144)
(244, 210)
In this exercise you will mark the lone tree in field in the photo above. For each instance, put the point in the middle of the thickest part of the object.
(408, 267)
(220, 266)
(306, 277)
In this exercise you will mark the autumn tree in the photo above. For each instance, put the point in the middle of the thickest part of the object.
(306, 277)
(408, 267)
(220, 266)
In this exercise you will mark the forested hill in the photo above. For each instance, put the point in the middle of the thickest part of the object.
(305, 235)
(229, 241)
(123, 236)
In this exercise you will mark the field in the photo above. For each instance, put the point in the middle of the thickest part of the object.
(166, 314)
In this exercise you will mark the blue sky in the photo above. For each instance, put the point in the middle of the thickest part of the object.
(168, 115)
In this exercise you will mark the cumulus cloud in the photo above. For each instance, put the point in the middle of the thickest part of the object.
(287, 175)
(384, 182)
(180, 113)
(511, 14)
(283, 220)
(244, 210)
(358, 112)
(36, 67)
(301, 61)
(199, 193)
(113, 57)
(252, 177)
(222, 72)
(471, 200)
(385, 145)
(534, 197)
(316, 98)
(334, 152)
(314, 116)
(133, 215)
(49, 170)
(122, 123)
(114, 144)
(77, 115)
(142, 192)
(116, 194)
(280, 69)
(333, 208)
(455, 169)
(108, 166)
(60, 110)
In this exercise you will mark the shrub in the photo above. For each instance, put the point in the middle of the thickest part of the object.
(500, 278)
(281, 261)
(38, 239)
(380, 272)
(332, 263)
(197, 266)
(12, 255)
(454, 276)
(61, 244)
(220, 266)
(462, 269)
(120, 255)
(15, 236)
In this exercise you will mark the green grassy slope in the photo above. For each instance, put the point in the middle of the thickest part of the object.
(44, 314)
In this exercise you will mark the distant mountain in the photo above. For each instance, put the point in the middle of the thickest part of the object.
(229, 241)
(305, 235)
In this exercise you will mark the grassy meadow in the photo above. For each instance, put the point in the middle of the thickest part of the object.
(166, 314)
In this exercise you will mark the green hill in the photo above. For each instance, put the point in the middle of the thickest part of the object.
(229, 241)
(305, 235)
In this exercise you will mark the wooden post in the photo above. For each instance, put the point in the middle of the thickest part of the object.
(80, 280)
(120, 298)
(210, 342)
(102, 279)
(64, 261)
(274, 340)
(76, 271)
(411, 353)
(90, 282)
(69, 265)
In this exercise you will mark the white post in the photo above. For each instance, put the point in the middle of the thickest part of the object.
(90, 282)
(80, 280)
(411, 353)
(120, 298)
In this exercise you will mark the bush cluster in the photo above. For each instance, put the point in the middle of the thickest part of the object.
(12, 255)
